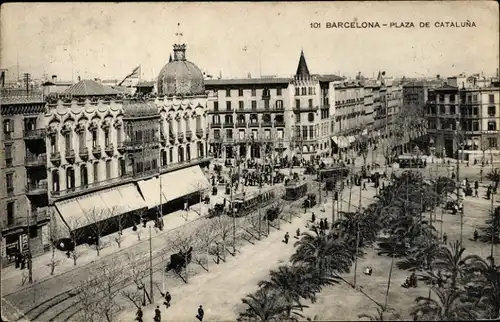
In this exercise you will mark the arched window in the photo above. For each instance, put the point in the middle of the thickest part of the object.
(84, 176)
(55, 180)
(108, 169)
(188, 152)
(70, 178)
(180, 154)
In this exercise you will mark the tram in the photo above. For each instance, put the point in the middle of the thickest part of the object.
(244, 204)
(295, 191)
(332, 172)
(410, 161)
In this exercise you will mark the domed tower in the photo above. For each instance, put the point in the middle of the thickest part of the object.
(183, 109)
(180, 77)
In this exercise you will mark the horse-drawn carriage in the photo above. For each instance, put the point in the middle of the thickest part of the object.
(310, 201)
(179, 260)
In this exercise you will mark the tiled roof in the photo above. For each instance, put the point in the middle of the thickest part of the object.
(246, 81)
(89, 87)
(329, 78)
(302, 69)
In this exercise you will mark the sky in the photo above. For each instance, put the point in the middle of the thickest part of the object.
(108, 40)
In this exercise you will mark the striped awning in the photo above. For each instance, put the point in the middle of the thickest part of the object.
(83, 210)
(173, 185)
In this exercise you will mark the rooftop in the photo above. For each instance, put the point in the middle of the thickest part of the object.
(20, 96)
(88, 87)
(246, 81)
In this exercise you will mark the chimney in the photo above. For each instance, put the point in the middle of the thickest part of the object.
(54, 78)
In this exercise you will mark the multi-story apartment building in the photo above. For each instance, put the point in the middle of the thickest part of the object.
(465, 118)
(251, 116)
(23, 192)
(109, 156)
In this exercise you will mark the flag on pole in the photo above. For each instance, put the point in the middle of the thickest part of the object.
(135, 74)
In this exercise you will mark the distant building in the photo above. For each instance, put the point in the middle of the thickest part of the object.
(465, 117)
(55, 86)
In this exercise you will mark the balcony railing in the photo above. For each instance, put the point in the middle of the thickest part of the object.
(180, 136)
(189, 134)
(266, 96)
(97, 151)
(36, 188)
(215, 125)
(70, 154)
(199, 133)
(241, 124)
(109, 148)
(126, 178)
(228, 125)
(83, 153)
(253, 124)
(33, 160)
(35, 134)
(279, 123)
(55, 156)
(267, 124)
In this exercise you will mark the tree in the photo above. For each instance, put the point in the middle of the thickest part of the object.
(99, 223)
(491, 229)
(324, 253)
(388, 314)
(494, 176)
(483, 287)
(352, 156)
(53, 236)
(451, 262)
(201, 188)
(75, 235)
(206, 236)
(138, 269)
(223, 226)
(265, 305)
(97, 295)
(446, 307)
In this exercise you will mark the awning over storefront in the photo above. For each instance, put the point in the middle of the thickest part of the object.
(97, 206)
(351, 139)
(340, 141)
(174, 185)
(150, 190)
(183, 182)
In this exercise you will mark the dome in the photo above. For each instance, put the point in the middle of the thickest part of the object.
(180, 77)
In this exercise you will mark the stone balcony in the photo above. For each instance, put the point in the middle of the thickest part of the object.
(33, 160)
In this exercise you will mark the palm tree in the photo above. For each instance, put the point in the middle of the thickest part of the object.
(383, 314)
(494, 176)
(294, 283)
(483, 277)
(449, 260)
(326, 254)
(446, 307)
(264, 306)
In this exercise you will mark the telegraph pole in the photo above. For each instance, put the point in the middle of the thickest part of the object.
(150, 268)
(459, 143)
(30, 261)
(27, 79)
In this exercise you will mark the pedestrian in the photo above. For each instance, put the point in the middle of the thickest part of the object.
(445, 238)
(157, 317)
(321, 225)
(364, 186)
(138, 315)
(476, 235)
(313, 218)
(325, 223)
(168, 298)
(476, 193)
(201, 313)
(287, 236)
